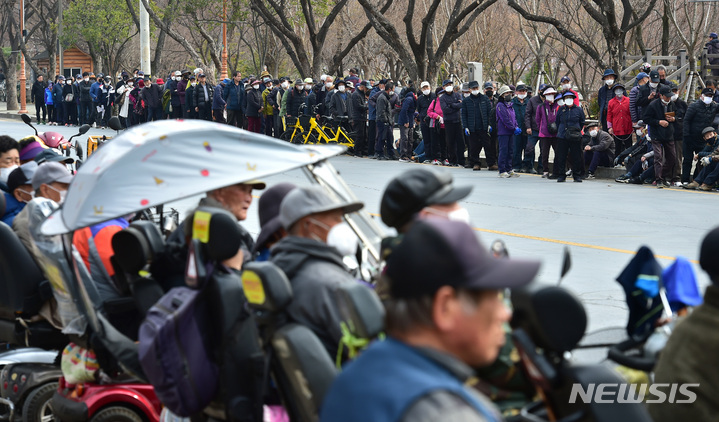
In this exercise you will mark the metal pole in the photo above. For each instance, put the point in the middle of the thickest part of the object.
(145, 63)
(23, 80)
(223, 65)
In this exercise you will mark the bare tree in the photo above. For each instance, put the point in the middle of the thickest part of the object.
(615, 24)
(10, 28)
(415, 47)
(695, 19)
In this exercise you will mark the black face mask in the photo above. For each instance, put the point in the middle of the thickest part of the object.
(490, 94)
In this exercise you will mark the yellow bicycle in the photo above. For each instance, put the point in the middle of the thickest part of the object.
(293, 131)
(319, 134)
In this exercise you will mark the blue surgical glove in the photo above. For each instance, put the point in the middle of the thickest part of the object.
(466, 132)
(517, 131)
(490, 129)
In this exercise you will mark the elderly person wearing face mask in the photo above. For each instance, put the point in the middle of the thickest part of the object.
(19, 191)
(600, 151)
(619, 118)
(570, 121)
(660, 116)
(254, 107)
(312, 258)
(606, 93)
(639, 90)
(546, 118)
(507, 128)
(699, 114)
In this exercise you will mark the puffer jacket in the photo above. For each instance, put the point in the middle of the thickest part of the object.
(384, 109)
(520, 109)
(200, 95)
(603, 142)
(372, 103)
(218, 103)
(254, 103)
(315, 271)
(358, 111)
(234, 95)
(451, 106)
(697, 117)
(656, 112)
(423, 103)
(569, 117)
(409, 105)
(475, 113)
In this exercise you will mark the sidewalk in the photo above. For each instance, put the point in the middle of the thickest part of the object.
(13, 114)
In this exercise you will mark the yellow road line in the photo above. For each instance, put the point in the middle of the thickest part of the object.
(568, 243)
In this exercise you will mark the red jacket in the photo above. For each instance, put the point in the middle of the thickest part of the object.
(618, 116)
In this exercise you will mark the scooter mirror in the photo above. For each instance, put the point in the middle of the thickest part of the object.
(25, 118)
(566, 264)
(78, 163)
(114, 123)
(83, 129)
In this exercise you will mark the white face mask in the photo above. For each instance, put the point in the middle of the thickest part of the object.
(284, 85)
(560, 102)
(653, 84)
(193, 83)
(706, 100)
(328, 85)
(675, 97)
(87, 79)
(521, 96)
(341, 88)
(665, 102)
(550, 98)
(448, 88)
(593, 133)
(425, 91)
(619, 93)
(639, 132)
(173, 78)
(5, 172)
(567, 87)
(343, 239)
(308, 87)
(256, 86)
(62, 193)
(475, 92)
(466, 94)
(609, 82)
(460, 214)
(30, 194)
(300, 87)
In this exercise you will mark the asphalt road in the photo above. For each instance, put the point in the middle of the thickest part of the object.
(601, 222)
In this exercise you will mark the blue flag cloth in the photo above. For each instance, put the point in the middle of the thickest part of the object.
(681, 284)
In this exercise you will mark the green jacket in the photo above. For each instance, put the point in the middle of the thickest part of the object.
(692, 356)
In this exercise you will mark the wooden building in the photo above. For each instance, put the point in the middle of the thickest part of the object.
(74, 61)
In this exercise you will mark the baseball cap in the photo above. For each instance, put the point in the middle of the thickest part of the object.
(542, 87)
(654, 76)
(447, 82)
(49, 173)
(465, 87)
(639, 124)
(21, 175)
(415, 189)
(488, 85)
(708, 129)
(706, 91)
(48, 155)
(641, 75)
(304, 201)
(178, 73)
(383, 81)
(201, 75)
(564, 79)
(423, 84)
(269, 211)
(665, 91)
(473, 84)
(308, 80)
(521, 87)
(456, 259)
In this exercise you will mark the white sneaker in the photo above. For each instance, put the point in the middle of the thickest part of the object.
(504, 175)
(403, 160)
(436, 162)
(94, 125)
(679, 184)
(568, 173)
(446, 162)
(513, 174)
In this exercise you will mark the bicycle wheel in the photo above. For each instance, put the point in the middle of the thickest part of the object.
(287, 135)
(311, 139)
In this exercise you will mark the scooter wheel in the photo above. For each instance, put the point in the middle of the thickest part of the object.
(37, 406)
(116, 414)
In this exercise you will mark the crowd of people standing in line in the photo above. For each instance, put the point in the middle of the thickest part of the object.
(644, 127)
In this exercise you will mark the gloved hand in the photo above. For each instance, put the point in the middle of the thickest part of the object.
(616, 161)
(490, 130)
(441, 120)
(466, 132)
(517, 131)
(706, 160)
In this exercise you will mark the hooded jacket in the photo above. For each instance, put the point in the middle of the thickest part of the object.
(409, 105)
(315, 270)
(506, 120)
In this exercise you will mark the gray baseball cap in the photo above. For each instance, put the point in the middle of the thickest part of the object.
(304, 201)
(50, 172)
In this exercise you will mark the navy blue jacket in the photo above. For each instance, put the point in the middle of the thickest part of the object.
(475, 113)
(234, 95)
(451, 104)
(569, 117)
(406, 115)
(520, 109)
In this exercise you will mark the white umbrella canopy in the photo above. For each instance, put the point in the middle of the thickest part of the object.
(163, 161)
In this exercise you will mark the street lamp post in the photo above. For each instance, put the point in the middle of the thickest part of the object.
(23, 78)
(223, 65)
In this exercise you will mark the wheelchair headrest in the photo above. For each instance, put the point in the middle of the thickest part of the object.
(137, 245)
(2, 203)
(266, 287)
(363, 309)
(218, 231)
(553, 317)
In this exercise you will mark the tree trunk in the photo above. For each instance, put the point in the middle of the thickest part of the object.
(665, 32)
(11, 81)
